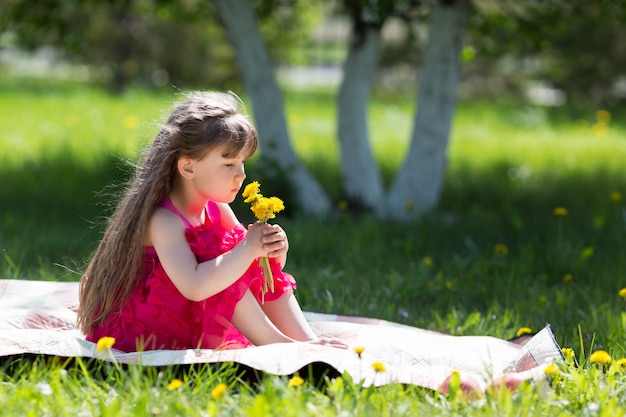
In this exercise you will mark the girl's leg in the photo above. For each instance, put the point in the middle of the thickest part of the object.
(254, 324)
(286, 314)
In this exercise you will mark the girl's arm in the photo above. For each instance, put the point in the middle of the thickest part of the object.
(198, 281)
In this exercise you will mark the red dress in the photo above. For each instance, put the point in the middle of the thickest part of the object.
(158, 316)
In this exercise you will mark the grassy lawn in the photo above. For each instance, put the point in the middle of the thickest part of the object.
(531, 229)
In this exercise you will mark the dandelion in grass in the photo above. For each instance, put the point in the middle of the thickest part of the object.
(264, 209)
(600, 357)
(603, 116)
(342, 205)
(622, 293)
(219, 390)
(523, 331)
(568, 277)
(568, 353)
(174, 384)
(105, 343)
(621, 364)
(131, 122)
(359, 351)
(615, 196)
(560, 212)
(551, 370)
(428, 261)
(296, 381)
(379, 367)
(500, 249)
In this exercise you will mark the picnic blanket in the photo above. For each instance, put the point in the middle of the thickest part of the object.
(39, 317)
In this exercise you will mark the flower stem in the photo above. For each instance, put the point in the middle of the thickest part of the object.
(268, 279)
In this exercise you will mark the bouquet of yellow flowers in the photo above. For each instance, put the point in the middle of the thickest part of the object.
(264, 209)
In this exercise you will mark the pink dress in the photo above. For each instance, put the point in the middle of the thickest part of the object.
(158, 316)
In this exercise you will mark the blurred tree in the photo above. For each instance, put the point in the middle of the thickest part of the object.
(257, 72)
(362, 181)
(578, 46)
(151, 42)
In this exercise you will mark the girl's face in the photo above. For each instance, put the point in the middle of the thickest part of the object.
(219, 178)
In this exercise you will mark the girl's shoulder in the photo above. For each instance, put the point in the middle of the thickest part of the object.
(222, 214)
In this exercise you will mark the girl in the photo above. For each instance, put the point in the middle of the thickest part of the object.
(175, 268)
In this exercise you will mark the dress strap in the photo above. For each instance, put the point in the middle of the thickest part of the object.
(213, 212)
(167, 204)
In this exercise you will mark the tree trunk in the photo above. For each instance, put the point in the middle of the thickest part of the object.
(417, 186)
(257, 72)
(362, 182)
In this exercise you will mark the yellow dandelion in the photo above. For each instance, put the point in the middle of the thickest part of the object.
(568, 277)
(219, 390)
(560, 211)
(600, 357)
(428, 261)
(274, 205)
(131, 122)
(603, 116)
(296, 381)
(342, 205)
(500, 249)
(599, 129)
(621, 363)
(568, 353)
(615, 196)
(551, 370)
(622, 293)
(523, 330)
(105, 342)
(359, 350)
(251, 191)
(449, 285)
(379, 367)
(174, 385)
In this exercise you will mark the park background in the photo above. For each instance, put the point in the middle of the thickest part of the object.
(524, 223)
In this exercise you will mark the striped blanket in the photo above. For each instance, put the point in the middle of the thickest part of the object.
(39, 317)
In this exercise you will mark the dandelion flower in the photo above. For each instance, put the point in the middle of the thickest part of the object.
(359, 350)
(296, 381)
(568, 353)
(105, 342)
(600, 357)
(342, 205)
(500, 249)
(251, 191)
(523, 330)
(603, 116)
(560, 211)
(174, 385)
(621, 363)
(428, 261)
(615, 196)
(219, 390)
(622, 293)
(551, 370)
(568, 277)
(131, 122)
(379, 367)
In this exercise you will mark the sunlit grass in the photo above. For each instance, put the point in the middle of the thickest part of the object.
(495, 255)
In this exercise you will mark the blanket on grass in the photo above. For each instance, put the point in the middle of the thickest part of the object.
(39, 317)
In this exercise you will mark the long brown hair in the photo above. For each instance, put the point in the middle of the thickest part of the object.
(204, 121)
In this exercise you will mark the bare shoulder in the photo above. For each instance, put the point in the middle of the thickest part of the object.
(163, 224)
(228, 219)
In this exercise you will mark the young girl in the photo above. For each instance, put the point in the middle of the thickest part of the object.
(175, 268)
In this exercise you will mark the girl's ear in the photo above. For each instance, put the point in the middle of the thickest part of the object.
(185, 167)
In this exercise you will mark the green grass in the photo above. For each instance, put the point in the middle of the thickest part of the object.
(492, 258)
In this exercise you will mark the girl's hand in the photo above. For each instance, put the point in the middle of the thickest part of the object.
(274, 241)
